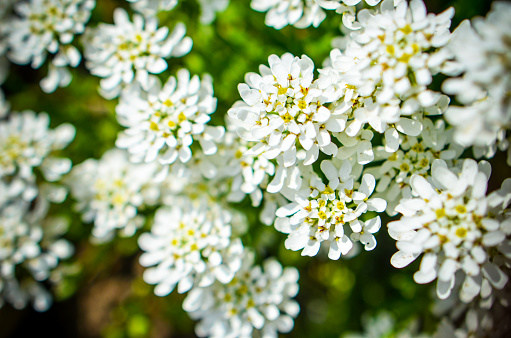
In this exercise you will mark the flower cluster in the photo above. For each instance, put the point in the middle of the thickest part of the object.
(285, 108)
(319, 212)
(190, 244)
(303, 13)
(414, 156)
(128, 51)
(483, 53)
(110, 190)
(151, 7)
(47, 26)
(255, 299)
(453, 224)
(163, 122)
(31, 244)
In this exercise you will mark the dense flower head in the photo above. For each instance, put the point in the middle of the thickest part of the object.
(152, 7)
(285, 111)
(319, 213)
(47, 26)
(190, 244)
(127, 51)
(453, 224)
(31, 248)
(387, 66)
(256, 298)
(302, 13)
(414, 156)
(163, 122)
(483, 51)
(27, 142)
(110, 190)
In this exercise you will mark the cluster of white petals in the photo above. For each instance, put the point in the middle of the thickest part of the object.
(126, 51)
(483, 51)
(26, 142)
(31, 245)
(302, 13)
(110, 190)
(151, 7)
(190, 245)
(256, 298)
(414, 156)
(387, 66)
(30, 250)
(319, 212)
(47, 26)
(163, 122)
(457, 227)
(285, 111)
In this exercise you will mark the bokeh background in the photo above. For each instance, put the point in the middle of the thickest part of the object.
(104, 294)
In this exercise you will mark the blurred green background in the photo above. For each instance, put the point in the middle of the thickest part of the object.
(104, 294)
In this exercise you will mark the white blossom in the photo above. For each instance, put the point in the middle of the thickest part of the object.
(26, 141)
(302, 13)
(285, 111)
(319, 212)
(387, 66)
(452, 224)
(31, 248)
(190, 245)
(126, 51)
(47, 26)
(110, 190)
(414, 156)
(256, 298)
(152, 7)
(163, 122)
(483, 53)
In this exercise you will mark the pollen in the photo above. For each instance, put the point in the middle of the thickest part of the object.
(328, 191)
(406, 29)
(154, 126)
(404, 167)
(461, 232)
(461, 209)
(181, 117)
(302, 104)
(440, 213)
(322, 215)
(287, 117)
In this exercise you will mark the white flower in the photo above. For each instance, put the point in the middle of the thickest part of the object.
(163, 122)
(284, 109)
(151, 7)
(30, 249)
(109, 191)
(47, 26)
(414, 156)
(27, 142)
(319, 212)
(127, 51)
(388, 64)
(451, 223)
(256, 298)
(483, 89)
(189, 245)
(301, 13)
